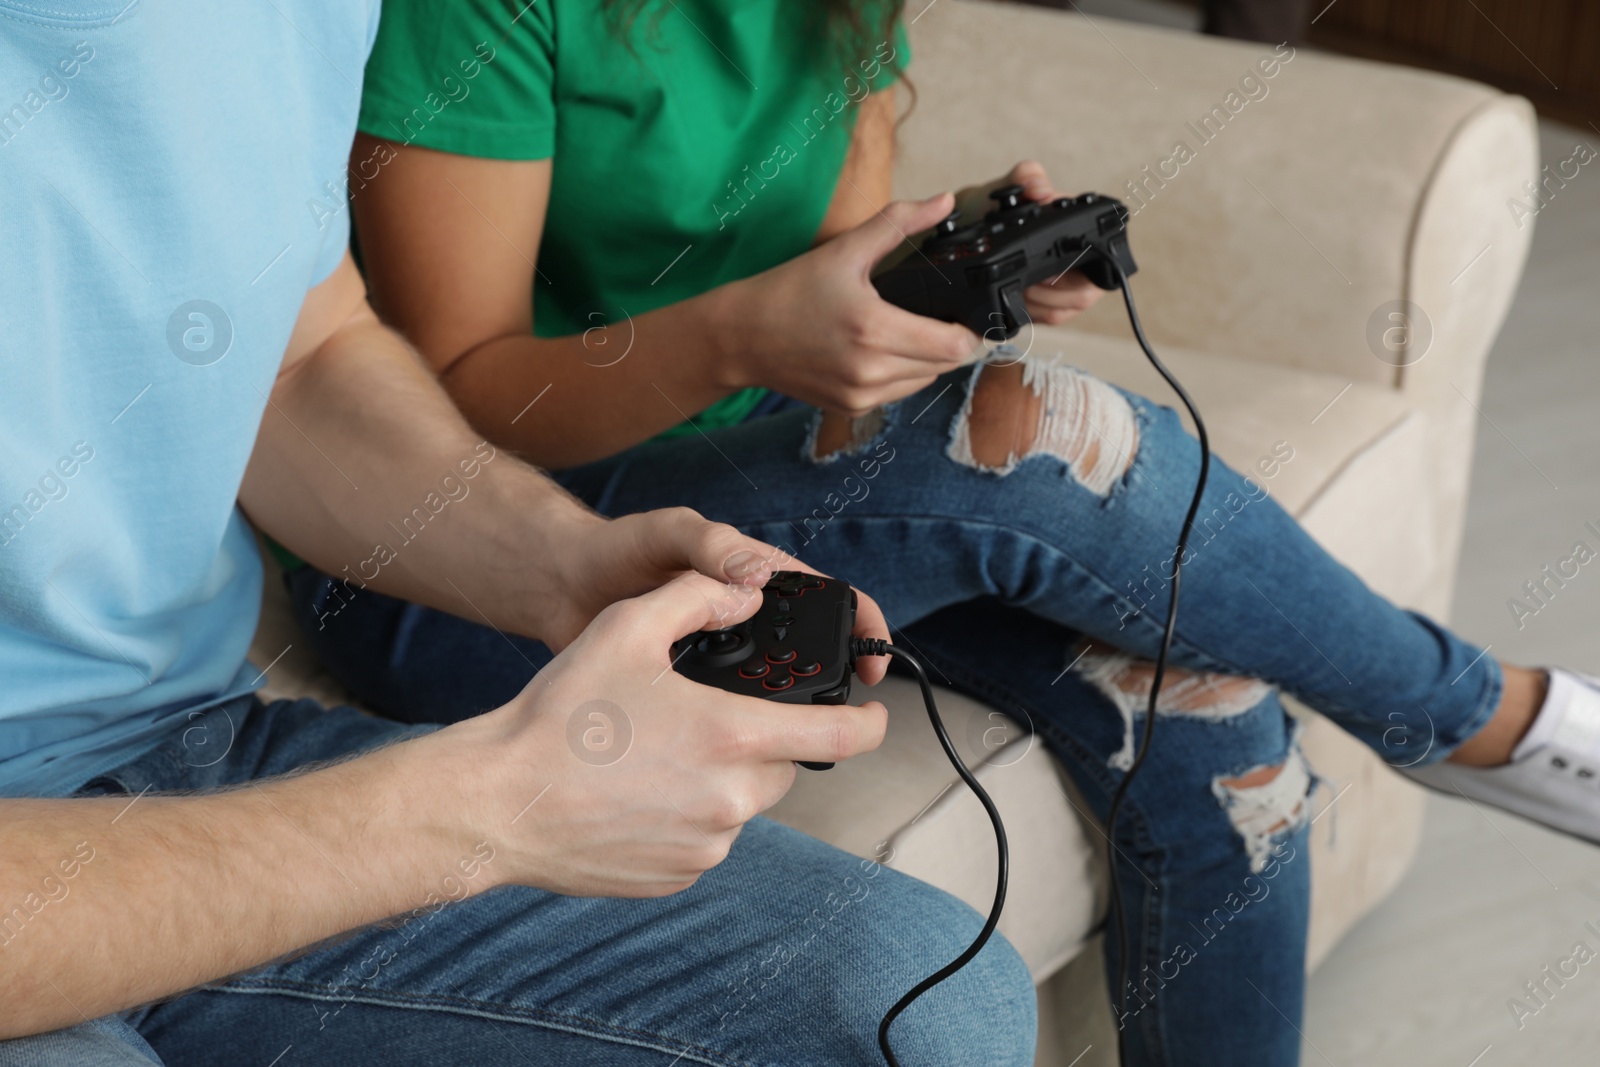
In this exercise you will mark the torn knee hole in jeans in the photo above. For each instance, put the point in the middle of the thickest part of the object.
(834, 435)
(1125, 680)
(1266, 803)
(1032, 408)
(1263, 803)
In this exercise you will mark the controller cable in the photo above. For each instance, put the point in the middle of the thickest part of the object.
(1119, 1000)
(877, 647)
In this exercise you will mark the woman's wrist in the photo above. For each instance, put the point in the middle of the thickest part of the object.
(725, 314)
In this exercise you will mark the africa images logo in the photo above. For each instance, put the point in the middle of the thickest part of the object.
(599, 732)
(199, 332)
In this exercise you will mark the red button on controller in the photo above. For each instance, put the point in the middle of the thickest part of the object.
(777, 681)
(754, 670)
(780, 655)
(805, 668)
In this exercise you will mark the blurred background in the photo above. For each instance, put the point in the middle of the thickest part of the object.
(1491, 900)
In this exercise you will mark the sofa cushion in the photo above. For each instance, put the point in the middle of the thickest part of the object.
(904, 805)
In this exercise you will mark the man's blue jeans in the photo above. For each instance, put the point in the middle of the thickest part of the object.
(788, 953)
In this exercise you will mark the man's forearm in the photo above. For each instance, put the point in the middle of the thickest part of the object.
(365, 468)
(110, 903)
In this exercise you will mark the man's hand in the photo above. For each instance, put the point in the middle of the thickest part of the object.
(612, 560)
(185, 890)
(604, 561)
(359, 441)
(613, 775)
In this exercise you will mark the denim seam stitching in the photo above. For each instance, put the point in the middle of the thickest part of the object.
(1488, 704)
(481, 1008)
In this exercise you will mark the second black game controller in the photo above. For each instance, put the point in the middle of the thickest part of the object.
(973, 266)
(794, 649)
(798, 648)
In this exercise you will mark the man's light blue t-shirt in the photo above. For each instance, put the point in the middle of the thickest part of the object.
(172, 182)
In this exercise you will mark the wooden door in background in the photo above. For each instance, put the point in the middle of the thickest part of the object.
(1547, 50)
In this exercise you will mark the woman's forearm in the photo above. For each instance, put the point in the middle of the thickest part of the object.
(564, 401)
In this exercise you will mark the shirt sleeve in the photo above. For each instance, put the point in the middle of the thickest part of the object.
(374, 17)
(336, 235)
(474, 77)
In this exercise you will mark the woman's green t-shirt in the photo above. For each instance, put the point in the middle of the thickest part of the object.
(699, 145)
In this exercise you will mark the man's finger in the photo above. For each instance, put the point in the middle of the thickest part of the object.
(721, 551)
(688, 603)
(870, 623)
(773, 781)
(675, 539)
(815, 733)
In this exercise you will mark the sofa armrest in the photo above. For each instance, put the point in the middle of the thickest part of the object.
(1274, 216)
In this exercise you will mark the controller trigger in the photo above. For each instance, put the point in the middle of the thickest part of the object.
(1014, 310)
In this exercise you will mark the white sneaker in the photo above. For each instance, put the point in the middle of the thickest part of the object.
(1554, 774)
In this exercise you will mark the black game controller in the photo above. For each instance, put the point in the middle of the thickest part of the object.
(973, 265)
(795, 648)
(798, 648)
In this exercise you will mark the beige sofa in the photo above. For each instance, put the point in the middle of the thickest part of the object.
(1346, 186)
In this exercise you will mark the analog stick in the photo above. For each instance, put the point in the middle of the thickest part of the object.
(722, 648)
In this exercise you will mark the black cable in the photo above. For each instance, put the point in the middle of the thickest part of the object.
(865, 647)
(1119, 1001)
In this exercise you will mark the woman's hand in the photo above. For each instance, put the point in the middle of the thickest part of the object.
(1067, 295)
(814, 328)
